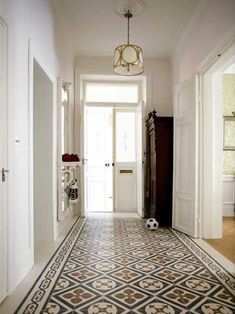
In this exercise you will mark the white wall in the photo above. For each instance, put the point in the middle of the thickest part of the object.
(157, 72)
(27, 19)
(211, 23)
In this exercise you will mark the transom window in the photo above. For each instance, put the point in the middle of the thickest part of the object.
(111, 92)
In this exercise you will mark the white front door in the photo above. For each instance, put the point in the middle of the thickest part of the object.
(110, 166)
(185, 197)
(3, 160)
(125, 160)
(99, 142)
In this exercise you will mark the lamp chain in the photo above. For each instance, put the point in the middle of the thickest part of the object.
(128, 15)
(128, 28)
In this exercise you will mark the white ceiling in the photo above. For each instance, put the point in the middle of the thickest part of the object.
(95, 29)
(230, 69)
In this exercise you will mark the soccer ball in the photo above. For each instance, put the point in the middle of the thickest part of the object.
(151, 224)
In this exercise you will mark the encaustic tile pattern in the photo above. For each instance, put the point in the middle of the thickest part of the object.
(115, 265)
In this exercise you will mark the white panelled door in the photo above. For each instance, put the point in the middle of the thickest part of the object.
(99, 141)
(185, 198)
(125, 160)
(3, 160)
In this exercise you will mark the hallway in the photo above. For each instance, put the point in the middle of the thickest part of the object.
(114, 265)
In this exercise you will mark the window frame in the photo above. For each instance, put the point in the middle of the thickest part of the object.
(227, 118)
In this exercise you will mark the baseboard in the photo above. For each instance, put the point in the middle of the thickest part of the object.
(228, 210)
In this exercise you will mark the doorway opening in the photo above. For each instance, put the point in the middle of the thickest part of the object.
(111, 164)
(218, 176)
(112, 147)
(43, 155)
(226, 85)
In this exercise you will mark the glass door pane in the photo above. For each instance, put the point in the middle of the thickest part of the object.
(125, 136)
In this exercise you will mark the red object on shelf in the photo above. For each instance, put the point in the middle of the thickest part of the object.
(70, 157)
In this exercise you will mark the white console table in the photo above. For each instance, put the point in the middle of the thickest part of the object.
(67, 171)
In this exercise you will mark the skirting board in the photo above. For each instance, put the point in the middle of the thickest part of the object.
(228, 210)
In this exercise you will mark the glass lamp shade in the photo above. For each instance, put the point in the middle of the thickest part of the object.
(128, 60)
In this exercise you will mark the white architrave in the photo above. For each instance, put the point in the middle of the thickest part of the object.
(211, 141)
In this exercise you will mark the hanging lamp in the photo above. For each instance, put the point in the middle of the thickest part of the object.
(128, 58)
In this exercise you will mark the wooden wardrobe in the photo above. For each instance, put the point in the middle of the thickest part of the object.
(159, 168)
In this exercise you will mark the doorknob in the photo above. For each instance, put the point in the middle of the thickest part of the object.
(3, 174)
(84, 161)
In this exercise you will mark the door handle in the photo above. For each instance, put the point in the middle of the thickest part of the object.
(107, 164)
(84, 161)
(3, 174)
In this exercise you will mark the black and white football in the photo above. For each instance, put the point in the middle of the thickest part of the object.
(151, 224)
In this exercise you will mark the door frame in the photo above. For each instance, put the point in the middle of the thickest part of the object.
(80, 80)
(5, 212)
(211, 140)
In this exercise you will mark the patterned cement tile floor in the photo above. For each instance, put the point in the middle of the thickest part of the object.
(115, 266)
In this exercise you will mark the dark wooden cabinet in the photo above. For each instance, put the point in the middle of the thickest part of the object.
(159, 168)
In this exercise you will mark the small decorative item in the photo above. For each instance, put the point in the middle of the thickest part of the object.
(70, 157)
(151, 224)
(73, 192)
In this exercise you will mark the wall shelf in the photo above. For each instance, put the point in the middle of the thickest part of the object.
(70, 164)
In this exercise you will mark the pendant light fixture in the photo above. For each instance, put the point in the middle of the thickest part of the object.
(128, 58)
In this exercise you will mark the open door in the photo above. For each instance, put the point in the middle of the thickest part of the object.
(185, 191)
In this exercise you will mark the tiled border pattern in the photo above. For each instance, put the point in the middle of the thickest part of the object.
(38, 293)
(117, 266)
(227, 279)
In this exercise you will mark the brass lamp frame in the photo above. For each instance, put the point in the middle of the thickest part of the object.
(121, 62)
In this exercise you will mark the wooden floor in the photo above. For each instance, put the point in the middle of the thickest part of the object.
(226, 245)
